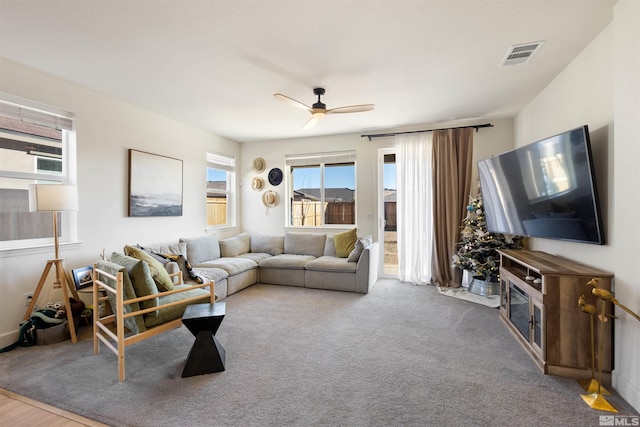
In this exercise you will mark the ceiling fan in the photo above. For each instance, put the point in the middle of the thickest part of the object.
(319, 110)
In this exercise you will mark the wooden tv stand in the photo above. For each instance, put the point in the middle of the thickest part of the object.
(545, 317)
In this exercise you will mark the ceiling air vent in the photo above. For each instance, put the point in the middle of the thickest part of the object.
(520, 53)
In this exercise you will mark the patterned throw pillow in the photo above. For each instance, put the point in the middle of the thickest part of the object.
(184, 265)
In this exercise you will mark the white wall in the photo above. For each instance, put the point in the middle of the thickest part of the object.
(256, 218)
(581, 94)
(106, 129)
(626, 176)
(600, 88)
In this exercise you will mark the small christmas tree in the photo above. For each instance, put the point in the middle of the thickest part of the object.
(477, 250)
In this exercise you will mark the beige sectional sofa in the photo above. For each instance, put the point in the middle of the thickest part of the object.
(295, 259)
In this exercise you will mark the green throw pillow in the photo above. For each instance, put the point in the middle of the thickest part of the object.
(158, 272)
(134, 324)
(140, 275)
(345, 242)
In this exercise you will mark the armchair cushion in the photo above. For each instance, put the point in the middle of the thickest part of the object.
(158, 272)
(140, 276)
(176, 311)
(134, 324)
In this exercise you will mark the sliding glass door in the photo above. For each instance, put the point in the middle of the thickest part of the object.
(387, 227)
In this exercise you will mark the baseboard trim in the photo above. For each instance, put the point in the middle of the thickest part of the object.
(628, 392)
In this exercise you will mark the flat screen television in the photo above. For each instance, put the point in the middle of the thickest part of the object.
(546, 189)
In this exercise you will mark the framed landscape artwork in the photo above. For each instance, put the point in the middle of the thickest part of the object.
(155, 185)
(83, 277)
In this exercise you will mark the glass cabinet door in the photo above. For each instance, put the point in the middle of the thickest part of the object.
(503, 295)
(519, 310)
(536, 318)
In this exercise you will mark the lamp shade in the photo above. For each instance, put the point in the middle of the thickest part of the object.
(52, 197)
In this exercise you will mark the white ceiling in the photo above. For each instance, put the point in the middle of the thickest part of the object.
(217, 63)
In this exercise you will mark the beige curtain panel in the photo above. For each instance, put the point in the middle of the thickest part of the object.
(452, 168)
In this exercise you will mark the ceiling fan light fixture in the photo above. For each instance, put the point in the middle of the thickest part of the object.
(318, 110)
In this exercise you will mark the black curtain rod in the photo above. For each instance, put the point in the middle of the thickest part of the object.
(382, 135)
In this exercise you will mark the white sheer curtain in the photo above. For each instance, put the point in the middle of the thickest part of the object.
(414, 207)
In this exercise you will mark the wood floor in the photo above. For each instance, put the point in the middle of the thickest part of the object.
(20, 411)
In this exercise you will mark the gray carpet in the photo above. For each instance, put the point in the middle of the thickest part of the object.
(401, 355)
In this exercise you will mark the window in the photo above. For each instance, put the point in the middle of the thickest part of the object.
(321, 190)
(36, 143)
(221, 176)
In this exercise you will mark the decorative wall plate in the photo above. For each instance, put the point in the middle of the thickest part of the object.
(258, 164)
(275, 176)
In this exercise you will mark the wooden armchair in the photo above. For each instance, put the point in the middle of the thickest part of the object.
(164, 312)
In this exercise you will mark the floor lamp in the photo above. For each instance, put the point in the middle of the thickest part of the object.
(54, 198)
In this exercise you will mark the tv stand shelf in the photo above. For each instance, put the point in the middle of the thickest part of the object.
(545, 317)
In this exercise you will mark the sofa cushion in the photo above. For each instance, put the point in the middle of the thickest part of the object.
(255, 257)
(200, 249)
(361, 245)
(134, 324)
(272, 245)
(141, 279)
(345, 242)
(304, 244)
(232, 266)
(175, 249)
(329, 247)
(330, 263)
(287, 261)
(234, 246)
(207, 274)
(158, 272)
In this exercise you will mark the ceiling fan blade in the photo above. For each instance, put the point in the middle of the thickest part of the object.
(310, 123)
(291, 101)
(352, 109)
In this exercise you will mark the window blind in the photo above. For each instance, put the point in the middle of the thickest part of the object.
(222, 162)
(27, 111)
(316, 159)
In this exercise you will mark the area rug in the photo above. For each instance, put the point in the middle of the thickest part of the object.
(464, 294)
(401, 355)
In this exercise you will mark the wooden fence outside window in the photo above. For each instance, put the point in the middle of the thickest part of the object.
(309, 213)
(216, 210)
